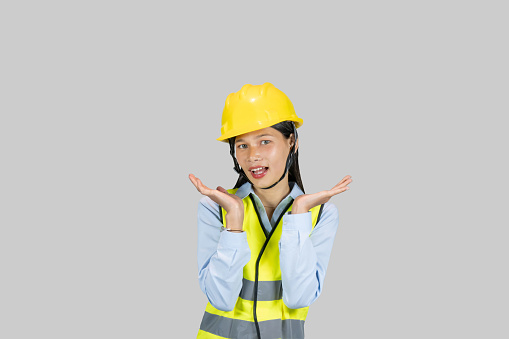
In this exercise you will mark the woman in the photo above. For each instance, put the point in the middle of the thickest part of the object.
(263, 246)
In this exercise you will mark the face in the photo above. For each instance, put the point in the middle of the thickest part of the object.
(262, 155)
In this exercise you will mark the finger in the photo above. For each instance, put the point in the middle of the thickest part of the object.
(202, 188)
(338, 185)
(342, 183)
(200, 183)
(199, 186)
(339, 190)
(221, 189)
(193, 180)
(346, 178)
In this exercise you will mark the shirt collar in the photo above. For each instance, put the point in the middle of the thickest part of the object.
(247, 189)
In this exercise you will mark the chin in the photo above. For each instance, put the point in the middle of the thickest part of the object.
(261, 183)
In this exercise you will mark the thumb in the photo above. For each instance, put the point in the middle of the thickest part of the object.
(221, 189)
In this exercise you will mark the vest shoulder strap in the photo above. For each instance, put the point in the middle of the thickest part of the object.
(319, 214)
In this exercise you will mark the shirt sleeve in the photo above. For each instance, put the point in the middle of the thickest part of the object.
(221, 257)
(304, 255)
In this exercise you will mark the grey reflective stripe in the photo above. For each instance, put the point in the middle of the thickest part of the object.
(227, 327)
(267, 290)
(235, 328)
(293, 328)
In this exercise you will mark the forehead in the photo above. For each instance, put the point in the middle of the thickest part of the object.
(269, 131)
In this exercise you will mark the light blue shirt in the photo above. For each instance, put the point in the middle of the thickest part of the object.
(303, 255)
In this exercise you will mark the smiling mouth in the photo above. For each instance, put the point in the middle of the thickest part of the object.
(259, 172)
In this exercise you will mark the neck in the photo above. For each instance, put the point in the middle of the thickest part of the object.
(273, 196)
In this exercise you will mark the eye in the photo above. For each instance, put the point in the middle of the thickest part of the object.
(242, 146)
(265, 142)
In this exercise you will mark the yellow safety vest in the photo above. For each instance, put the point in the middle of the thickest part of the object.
(259, 312)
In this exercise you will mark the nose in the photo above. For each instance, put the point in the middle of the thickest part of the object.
(254, 154)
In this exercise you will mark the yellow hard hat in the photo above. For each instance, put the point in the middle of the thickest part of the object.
(255, 107)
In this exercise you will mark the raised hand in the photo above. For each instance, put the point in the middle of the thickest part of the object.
(231, 203)
(305, 202)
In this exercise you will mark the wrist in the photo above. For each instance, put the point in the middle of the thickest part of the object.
(234, 231)
(231, 230)
(234, 222)
(298, 209)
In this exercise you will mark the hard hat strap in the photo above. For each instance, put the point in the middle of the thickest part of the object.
(289, 160)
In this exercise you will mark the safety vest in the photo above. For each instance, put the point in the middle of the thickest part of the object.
(259, 312)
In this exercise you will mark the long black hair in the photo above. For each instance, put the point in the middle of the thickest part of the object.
(286, 128)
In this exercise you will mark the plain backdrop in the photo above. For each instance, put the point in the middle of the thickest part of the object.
(107, 106)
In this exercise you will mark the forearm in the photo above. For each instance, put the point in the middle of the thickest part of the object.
(221, 277)
(298, 263)
(304, 258)
(221, 258)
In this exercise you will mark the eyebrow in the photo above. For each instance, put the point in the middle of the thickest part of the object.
(257, 137)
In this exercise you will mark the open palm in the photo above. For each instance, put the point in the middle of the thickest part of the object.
(229, 202)
(305, 202)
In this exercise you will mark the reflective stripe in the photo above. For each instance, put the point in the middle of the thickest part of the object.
(235, 328)
(293, 328)
(267, 290)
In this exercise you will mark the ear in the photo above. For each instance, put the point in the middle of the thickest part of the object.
(292, 140)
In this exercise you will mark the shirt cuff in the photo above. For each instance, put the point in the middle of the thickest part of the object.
(297, 222)
(233, 240)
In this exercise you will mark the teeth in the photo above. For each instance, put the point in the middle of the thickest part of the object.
(258, 170)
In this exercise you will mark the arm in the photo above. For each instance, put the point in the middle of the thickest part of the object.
(221, 257)
(303, 257)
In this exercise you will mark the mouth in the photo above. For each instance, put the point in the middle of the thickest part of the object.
(258, 172)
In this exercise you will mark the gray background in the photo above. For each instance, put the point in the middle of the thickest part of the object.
(107, 106)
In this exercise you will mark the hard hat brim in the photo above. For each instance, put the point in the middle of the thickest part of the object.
(233, 133)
